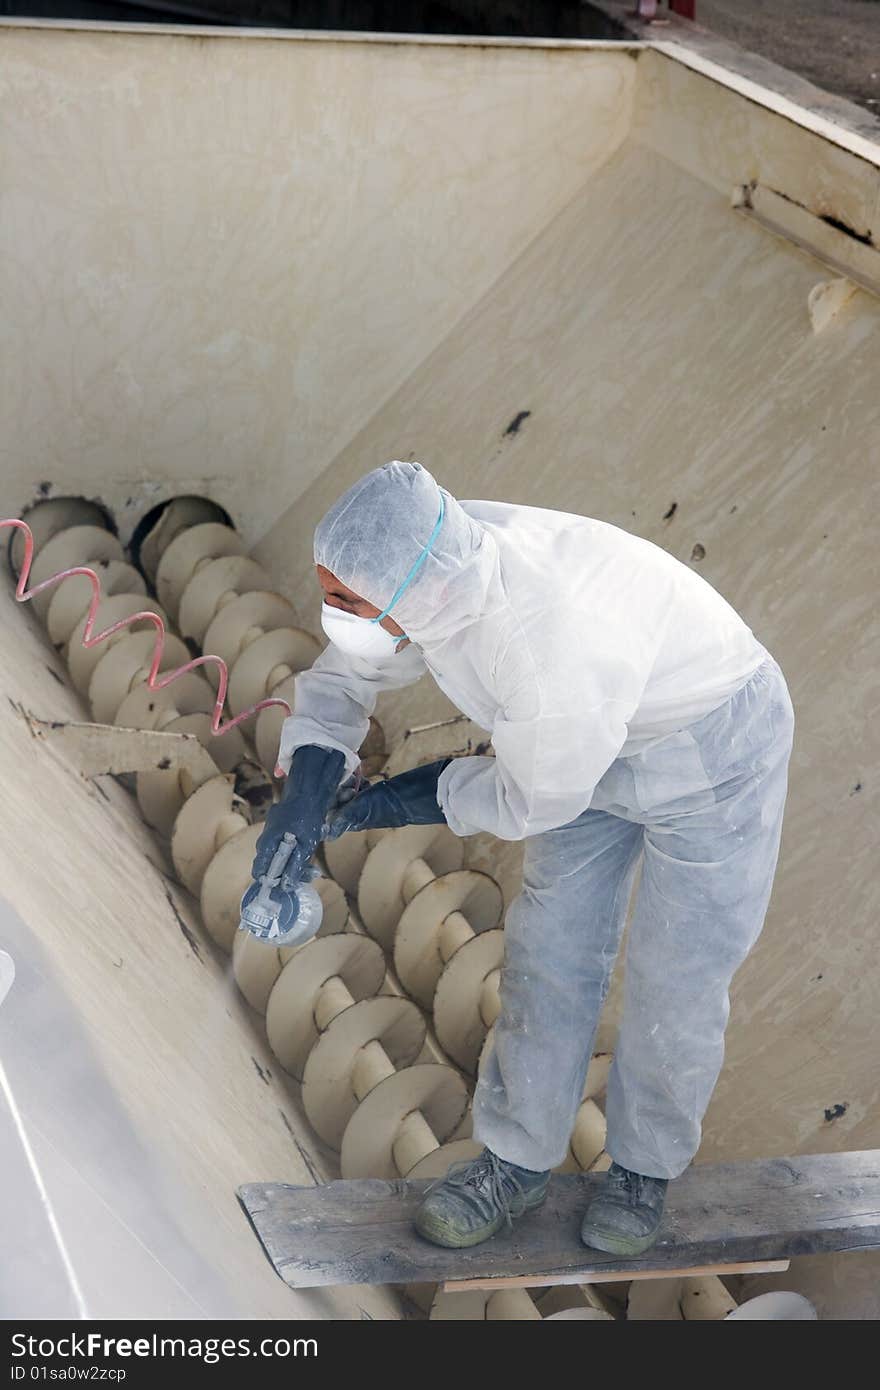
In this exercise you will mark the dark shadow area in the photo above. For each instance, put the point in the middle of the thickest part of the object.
(508, 18)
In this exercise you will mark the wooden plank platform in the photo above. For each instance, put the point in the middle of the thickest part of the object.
(719, 1217)
(609, 1276)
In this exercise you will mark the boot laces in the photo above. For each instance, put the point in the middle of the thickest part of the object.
(488, 1178)
(631, 1185)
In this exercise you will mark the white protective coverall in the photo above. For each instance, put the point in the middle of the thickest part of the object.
(632, 712)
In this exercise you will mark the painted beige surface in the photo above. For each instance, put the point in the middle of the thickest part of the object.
(327, 255)
(218, 257)
(165, 1038)
(724, 135)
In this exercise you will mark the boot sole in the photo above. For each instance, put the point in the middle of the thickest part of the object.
(439, 1233)
(617, 1245)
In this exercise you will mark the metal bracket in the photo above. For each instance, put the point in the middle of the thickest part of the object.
(848, 252)
(98, 750)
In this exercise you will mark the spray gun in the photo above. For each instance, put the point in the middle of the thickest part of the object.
(282, 908)
(281, 916)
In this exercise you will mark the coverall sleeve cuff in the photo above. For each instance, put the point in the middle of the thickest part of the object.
(297, 733)
(446, 797)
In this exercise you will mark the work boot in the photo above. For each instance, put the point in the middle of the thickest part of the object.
(624, 1216)
(476, 1198)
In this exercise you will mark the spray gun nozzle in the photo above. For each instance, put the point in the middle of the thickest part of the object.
(282, 916)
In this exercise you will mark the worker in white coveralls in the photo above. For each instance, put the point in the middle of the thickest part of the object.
(634, 716)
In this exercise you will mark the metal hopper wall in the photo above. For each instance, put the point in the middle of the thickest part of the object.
(251, 266)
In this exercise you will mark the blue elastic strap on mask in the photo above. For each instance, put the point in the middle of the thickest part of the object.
(416, 567)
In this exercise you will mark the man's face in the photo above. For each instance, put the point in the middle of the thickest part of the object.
(336, 595)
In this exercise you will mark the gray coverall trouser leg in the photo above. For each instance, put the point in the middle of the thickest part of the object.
(704, 808)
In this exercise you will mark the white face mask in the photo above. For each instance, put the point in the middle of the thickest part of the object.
(358, 636)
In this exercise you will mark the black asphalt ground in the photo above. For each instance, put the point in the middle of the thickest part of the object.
(834, 43)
